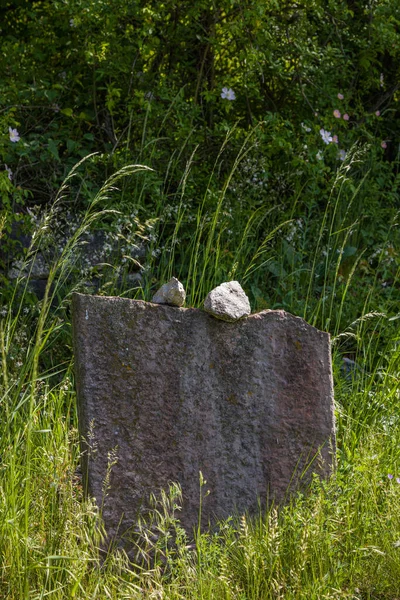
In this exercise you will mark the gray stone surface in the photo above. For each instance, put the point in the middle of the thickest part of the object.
(172, 293)
(173, 391)
(228, 302)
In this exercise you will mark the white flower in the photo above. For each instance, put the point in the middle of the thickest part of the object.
(326, 136)
(14, 135)
(228, 94)
(319, 156)
(342, 154)
(9, 172)
(307, 129)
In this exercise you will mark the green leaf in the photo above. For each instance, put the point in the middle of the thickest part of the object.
(52, 146)
(68, 112)
(71, 145)
(276, 269)
(349, 251)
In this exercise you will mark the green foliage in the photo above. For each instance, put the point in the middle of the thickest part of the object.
(143, 82)
(115, 76)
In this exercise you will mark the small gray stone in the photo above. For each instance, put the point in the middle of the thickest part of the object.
(228, 302)
(172, 293)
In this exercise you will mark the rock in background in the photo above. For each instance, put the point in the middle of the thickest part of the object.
(173, 391)
(90, 256)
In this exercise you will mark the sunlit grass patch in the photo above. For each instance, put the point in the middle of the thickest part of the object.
(341, 540)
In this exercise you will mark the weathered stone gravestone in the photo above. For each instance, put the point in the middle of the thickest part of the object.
(173, 391)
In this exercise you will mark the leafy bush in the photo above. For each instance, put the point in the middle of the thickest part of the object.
(187, 88)
(115, 77)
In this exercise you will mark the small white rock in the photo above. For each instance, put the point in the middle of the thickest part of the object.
(172, 293)
(228, 302)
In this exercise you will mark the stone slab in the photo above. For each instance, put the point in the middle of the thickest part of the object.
(173, 391)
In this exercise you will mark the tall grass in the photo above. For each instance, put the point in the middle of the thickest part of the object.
(342, 540)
